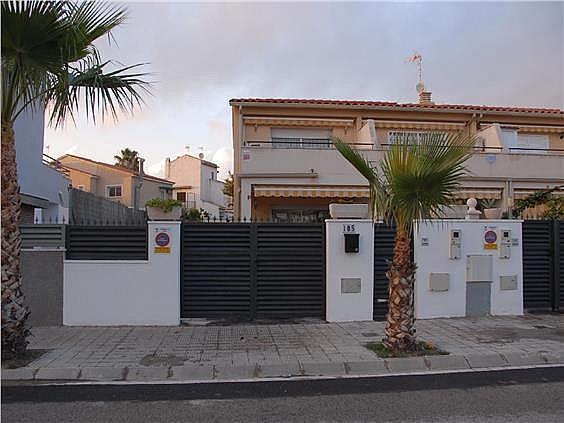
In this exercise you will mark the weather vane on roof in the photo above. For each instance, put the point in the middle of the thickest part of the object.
(417, 58)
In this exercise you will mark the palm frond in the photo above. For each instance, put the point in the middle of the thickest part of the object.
(100, 92)
(413, 181)
(423, 178)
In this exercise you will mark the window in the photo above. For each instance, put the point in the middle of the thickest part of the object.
(181, 196)
(113, 191)
(301, 138)
(212, 176)
(532, 144)
(80, 187)
(411, 137)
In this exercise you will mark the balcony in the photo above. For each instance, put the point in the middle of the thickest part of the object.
(324, 165)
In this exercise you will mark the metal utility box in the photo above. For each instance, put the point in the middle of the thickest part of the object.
(350, 285)
(351, 243)
(439, 282)
(508, 282)
(479, 268)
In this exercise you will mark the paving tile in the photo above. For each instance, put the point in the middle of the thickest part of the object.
(279, 370)
(147, 373)
(102, 373)
(22, 373)
(553, 357)
(374, 367)
(192, 372)
(323, 369)
(225, 372)
(50, 373)
(486, 360)
(447, 362)
(406, 364)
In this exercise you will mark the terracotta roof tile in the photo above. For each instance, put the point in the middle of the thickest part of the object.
(464, 107)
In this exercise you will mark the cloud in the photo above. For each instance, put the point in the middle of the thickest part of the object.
(201, 55)
(156, 169)
(223, 157)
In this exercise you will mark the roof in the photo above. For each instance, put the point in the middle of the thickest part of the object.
(391, 104)
(205, 162)
(115, 167)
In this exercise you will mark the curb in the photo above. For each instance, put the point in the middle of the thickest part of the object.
(284, 371)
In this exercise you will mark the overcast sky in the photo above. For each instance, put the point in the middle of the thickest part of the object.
(201, 55)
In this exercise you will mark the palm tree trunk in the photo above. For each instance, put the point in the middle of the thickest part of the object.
(400, 330)
(14, 312)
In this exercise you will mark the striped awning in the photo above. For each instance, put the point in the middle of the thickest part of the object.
(479, 193)
(519, 194)
(296, 191)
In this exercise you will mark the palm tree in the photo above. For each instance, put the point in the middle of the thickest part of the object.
(411, 182)
(228, 184)
(49, 61)
(128, 158)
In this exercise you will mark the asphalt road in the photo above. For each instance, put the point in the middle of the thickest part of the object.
(516, 396)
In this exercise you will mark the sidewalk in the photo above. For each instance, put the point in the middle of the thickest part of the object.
(250, 351)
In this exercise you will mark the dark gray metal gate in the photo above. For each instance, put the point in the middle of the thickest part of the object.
(543, 264)
(384, 236)
(244, 271)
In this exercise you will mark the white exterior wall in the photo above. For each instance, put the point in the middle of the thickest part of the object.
(487, 169)
(35, 178)
(125, 292)
(435, 258)
(346, 307)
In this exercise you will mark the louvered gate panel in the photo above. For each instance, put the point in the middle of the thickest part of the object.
(106, 242)
(537, 264)
(216, 270)
(290, 266)
(384, 236)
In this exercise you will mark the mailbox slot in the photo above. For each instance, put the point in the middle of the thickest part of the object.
(351, 243)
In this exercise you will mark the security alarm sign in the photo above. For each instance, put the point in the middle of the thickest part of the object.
(490, 239)
(162, 243)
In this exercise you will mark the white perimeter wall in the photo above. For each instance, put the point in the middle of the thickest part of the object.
(133, 292)
(435, 258)
(346, 307)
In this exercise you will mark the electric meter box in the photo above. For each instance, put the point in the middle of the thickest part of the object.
(468, 267)
(479, 268)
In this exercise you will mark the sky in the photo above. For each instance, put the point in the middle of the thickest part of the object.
(200, 55)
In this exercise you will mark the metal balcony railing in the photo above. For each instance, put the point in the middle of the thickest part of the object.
(55, 164)
(324, 144)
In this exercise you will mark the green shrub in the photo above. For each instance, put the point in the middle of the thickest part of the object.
(164, 205)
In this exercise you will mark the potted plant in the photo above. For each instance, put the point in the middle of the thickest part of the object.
(158, 209)
(489, 208)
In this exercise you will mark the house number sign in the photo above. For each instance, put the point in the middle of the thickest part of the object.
(349, 228)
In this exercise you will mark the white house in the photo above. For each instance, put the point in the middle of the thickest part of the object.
(196, 184)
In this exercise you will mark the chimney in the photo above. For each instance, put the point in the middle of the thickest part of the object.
(425, 97)
(167, 168)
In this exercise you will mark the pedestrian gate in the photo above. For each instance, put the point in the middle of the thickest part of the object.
(246, 271)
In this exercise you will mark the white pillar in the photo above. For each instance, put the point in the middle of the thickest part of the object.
(349, 276)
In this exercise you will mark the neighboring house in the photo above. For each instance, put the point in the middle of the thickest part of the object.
(115, 182)
(43, 184)
(196, 184)
(286, 168)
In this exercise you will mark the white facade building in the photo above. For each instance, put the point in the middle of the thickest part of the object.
(43, 188)
(196, 184)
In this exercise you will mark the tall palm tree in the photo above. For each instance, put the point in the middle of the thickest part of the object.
(412, 182)
(228, 184)
(128, 158)
(49, 61)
